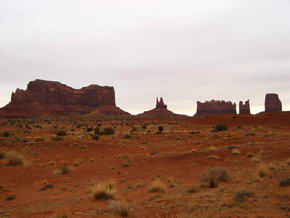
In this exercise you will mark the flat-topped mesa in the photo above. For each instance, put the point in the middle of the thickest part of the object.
(49, 92)
(244, 108)
(215, 107)
(49, 98)
(272, 103)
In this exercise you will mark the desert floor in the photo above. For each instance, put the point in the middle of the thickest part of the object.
(153, 174)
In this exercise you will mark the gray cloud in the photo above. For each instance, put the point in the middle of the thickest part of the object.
(182, 50)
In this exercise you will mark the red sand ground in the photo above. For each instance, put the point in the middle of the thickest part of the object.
(178, 157)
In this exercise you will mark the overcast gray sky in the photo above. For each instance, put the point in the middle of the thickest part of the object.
(183, 50)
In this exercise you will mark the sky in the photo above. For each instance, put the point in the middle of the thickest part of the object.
(182, 50)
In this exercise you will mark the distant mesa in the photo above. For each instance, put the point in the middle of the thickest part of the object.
(215, 107)
(244, 108)
(272, 103)
(49, 98)
(159, 111)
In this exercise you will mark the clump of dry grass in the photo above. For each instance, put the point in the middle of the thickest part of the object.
(236, 151)
(14, 158)
(104, 191)
(63, 170)
(263, 170)
(213, 175)
(157, 186)
(121, 208)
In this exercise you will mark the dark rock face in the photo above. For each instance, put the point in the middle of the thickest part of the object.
(272, 103)
(159, 111)
(244, 108)
(214, 107)
(42, 98)
(160, 104)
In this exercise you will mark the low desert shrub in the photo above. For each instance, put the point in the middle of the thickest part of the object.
(63, 170)
(263, 170)
(285, 182)
(14, 158)
(212, 176)
(107, 131)
(157, 186)
(61, 133)
(104, 191)
(7, 134)
(221, 127)
(243, 195)
(121, 208)
(160, 129)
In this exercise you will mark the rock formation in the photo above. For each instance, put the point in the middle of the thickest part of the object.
(244, 108)
(48, 98)
(272, 103)
(214, 107)
(159, 111)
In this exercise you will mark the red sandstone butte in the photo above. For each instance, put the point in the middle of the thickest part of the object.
(49, 98)
(272, 103)
(159, 111)
(215, 107)
(244, 108)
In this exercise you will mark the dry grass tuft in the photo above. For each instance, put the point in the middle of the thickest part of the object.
(121, 208)
(212, 176)
(104, 191)
(157, 186)
(14, 158)
(263, 170)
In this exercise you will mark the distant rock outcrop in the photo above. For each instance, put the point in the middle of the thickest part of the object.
(159, 111)
(214, 107)
(49, 98)
(244, 108)
(272, 103)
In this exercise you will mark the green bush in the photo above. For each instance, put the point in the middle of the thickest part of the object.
(243, 195)
(107, 131)
(7, 134)
(61, 133)
(221, 127)
(285, 182)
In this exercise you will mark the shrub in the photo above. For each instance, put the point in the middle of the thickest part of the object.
(63, 170)
(107, 131)
(120, 207)
(285, 182)
(221, 127)
(157, 186)
(263, 170)
(57, 138)
(104, 191)
(61, 133)
(95, 137)
(97, 130)
(14, 158)
(160, 129)
(214, 175)
(236, 151)
(127, 136)
(243, 195)
(7, 134)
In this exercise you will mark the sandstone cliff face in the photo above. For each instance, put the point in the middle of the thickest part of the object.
(272, 103)
(214, 107)
(244, 108)
(159, 111)
(44, 98)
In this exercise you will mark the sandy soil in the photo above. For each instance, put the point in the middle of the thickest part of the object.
(255, 150)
